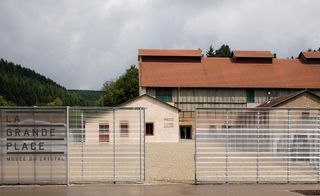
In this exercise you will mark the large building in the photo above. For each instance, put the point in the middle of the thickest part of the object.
(187, 80)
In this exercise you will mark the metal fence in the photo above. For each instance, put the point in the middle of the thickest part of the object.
(106, 145)
(71, 145)
(257, 145)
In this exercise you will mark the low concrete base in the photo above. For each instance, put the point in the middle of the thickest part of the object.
(157, 190)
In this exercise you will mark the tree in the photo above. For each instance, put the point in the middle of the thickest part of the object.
(4, 102)
(223, 51)
(56, 102)
(210, 52)
(25, 87)
(121, 90)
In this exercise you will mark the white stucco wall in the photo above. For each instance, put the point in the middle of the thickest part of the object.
(131, 117)
(162, 117)
(165, 121)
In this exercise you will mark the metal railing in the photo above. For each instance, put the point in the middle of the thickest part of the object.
(41, 145)
(257, 145)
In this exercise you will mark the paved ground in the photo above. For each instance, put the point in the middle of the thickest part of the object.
(155, 190)
(170, 162)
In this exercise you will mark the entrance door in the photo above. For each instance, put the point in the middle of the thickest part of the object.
(185, 132)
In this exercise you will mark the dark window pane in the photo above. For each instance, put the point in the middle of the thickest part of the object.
(250, 96)
(164, 94)
(149, 128)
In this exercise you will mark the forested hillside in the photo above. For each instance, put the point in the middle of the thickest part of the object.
(90, 96)
(24, 87)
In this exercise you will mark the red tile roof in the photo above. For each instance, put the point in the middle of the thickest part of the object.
(159, 52)
(254, 54)
(222, 72)
(311, 55)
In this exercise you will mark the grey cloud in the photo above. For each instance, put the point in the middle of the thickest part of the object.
(81, 44)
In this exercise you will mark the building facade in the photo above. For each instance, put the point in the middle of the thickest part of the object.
(161, 119)
(187, 80)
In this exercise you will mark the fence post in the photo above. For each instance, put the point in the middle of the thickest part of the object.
(114, 146)
(34, 161)
(67, 150)
(140, 130)
(144, 144)
(82, 141)
(1, 155)
(289, 147)
(227, 144)
(318, 145)
(258, 145)
(195, 148)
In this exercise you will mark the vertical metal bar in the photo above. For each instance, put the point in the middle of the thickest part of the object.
(258, 144)
(227, 145)
(82, 143)
(1, 143)
(35, 160)
(289, 148)
(195, 147)
(67, 150)
(114, 146)
(144, 144)
(318, 145)
(140, 153)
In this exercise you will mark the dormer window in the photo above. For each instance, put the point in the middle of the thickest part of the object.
(246, 56)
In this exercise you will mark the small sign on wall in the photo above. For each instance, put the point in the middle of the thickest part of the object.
(168, 123)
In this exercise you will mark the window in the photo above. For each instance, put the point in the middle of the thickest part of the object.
(164, 94)
(124, 129)
(149, 128)
(250, 95)
(103, 132)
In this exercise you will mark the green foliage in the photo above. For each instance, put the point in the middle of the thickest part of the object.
(56, 102)
(124, 88)
(4, 102)
(210, 52)
(223, 51)
(91, 96)
(25, 87)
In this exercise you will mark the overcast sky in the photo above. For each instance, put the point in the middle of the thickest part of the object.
(82, 44)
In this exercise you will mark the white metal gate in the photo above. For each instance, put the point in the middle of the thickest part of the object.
(106, 145)
(257, 145)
